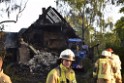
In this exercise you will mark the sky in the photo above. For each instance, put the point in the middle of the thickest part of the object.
(34, 9)
(113, 12)
(30, 14)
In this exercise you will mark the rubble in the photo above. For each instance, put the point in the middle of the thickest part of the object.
(43, 59)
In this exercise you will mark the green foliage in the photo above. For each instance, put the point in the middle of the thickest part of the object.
(75, 3)
(112, 40)
(120, 28)
(90, 16)
(122, 10)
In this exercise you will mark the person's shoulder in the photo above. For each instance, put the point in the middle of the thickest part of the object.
(53, 71)
(72, 71)
(6, 78)
(115, 56)
(99, 59)
(5, 75)
(103, 59)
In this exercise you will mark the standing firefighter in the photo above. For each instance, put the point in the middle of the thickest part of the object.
(104, 68)
(117, 76)
(63, 73)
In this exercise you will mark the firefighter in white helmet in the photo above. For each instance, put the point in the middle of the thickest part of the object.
(63, 73)
(104, 67)
(117, 78)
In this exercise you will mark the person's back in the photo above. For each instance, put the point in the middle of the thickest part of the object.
(117, 61)
(104, 68)
(117, 78)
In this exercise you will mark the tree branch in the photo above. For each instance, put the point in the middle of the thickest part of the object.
(8, 21)
(17, 16)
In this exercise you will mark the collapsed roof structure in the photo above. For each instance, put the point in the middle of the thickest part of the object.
(50, 30)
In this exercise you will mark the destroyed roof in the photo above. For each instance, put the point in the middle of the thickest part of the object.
(50, 15)
(21, 31)
(52, 20)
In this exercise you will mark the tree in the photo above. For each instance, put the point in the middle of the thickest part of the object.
(10, 8)
(111, 38)
(120, 29)
(119, 26)
(90, 12)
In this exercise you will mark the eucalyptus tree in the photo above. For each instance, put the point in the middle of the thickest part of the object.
(119, 26)
(90, 12)
(10, 10)
(120, 29)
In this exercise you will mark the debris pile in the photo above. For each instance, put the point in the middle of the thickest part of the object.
(42, 60)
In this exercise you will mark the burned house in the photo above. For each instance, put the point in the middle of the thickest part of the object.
(50, 31)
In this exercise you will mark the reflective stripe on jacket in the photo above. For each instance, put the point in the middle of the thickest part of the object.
(61, 75)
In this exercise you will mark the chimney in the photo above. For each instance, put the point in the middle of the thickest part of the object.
(43, 10)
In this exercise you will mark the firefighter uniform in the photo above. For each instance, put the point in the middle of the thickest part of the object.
(117, 76)
(4, 78)
(105, 68)
(63, 73)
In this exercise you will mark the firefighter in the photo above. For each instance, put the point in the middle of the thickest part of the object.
(117, 76)
(104, 68)
(3, 77)
(63, 73)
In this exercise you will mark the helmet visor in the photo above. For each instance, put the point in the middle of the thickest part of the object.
(67, 57)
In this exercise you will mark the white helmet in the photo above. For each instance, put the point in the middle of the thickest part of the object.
(68, 55)
(106, 53)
